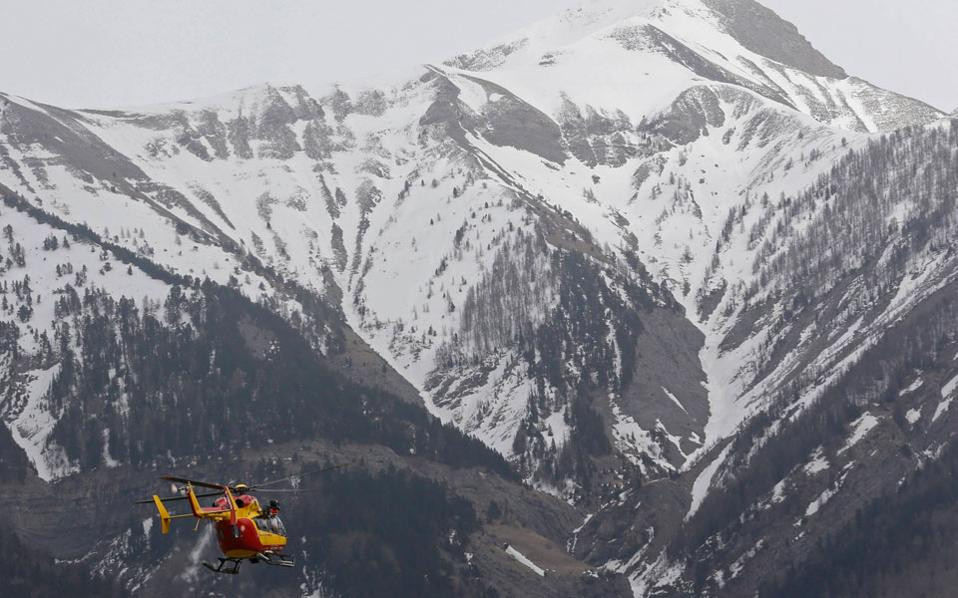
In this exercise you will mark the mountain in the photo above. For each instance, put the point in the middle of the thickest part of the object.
(660, 262)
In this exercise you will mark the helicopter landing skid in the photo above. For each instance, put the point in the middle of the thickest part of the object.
(222, 569)
(276, 559)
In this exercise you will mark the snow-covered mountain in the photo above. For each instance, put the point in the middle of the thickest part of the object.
(627, 247)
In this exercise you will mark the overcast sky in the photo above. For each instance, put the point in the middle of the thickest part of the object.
(107, 53)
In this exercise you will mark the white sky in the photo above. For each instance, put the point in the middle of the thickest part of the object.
(908, 46)
(108, 53)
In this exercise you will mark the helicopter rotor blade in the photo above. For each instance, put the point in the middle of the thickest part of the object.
(197, 483)
(149, 501)
(220, 488)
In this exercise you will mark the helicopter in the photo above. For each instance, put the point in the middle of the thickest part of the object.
(244, 529)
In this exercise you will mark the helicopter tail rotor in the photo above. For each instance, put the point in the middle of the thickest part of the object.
(164, 514)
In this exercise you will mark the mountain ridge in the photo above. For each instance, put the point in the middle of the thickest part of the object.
(270, 123)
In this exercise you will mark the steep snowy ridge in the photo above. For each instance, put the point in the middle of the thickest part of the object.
(305, 186)
(651, 51)
(304, 177)
(823, 331)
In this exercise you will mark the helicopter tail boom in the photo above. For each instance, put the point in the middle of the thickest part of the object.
(194, 504)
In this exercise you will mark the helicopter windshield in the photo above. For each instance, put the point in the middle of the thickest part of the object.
(271, 524)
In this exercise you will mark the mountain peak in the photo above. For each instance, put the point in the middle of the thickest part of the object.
(754, 26)
(764, 32)
(639, 56)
